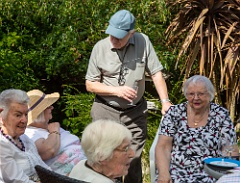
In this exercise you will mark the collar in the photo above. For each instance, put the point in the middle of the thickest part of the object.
(130, 41)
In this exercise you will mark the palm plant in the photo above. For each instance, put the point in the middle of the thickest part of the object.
(207, 33)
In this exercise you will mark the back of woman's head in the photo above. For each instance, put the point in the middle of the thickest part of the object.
(196, 79)
(101, 138)
(9, 96)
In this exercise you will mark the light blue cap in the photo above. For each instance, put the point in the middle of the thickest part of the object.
(120, 24)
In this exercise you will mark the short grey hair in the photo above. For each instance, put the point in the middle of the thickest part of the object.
(199, 79)
(40, 118)
(9, 96)
(100, 138)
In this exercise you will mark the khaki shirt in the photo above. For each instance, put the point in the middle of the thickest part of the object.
(136, 58)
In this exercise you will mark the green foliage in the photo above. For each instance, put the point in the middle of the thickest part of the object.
(40, 39)
(77, 110)
(13, 71)
(206, 34)
(46, 37)
(46, 45)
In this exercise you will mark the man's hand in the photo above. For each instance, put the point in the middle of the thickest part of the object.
(165, 107)
(126, 93)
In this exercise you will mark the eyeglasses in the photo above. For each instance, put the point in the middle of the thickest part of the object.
(122, 74)
(125, 149)
(199, 95)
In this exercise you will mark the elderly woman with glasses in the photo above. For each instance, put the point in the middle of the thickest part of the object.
(190, 132)
(107, 145)
(18, 153)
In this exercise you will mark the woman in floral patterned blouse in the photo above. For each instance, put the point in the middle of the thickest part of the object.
(190, 132)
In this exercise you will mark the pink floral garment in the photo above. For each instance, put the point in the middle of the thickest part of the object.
(67, 158)
(70, 152)
(192, 145)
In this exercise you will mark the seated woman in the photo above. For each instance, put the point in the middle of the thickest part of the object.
(59, 149)
(107, 145)
(190, 132)
(18, 153)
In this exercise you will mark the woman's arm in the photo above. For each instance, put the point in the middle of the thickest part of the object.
(10, 170)
(163, 157)
(48, 148)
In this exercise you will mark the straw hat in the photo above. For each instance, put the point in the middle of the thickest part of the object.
(39, 101)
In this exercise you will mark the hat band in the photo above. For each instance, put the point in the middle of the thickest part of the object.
(38, 102)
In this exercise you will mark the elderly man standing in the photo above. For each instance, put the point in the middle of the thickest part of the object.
(116, 74)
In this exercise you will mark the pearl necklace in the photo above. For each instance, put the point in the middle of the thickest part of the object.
(12, 141)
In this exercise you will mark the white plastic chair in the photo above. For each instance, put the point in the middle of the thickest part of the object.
(152, 157)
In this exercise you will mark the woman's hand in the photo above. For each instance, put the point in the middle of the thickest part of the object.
(48, 148)
(166, 178)
(54, 126)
